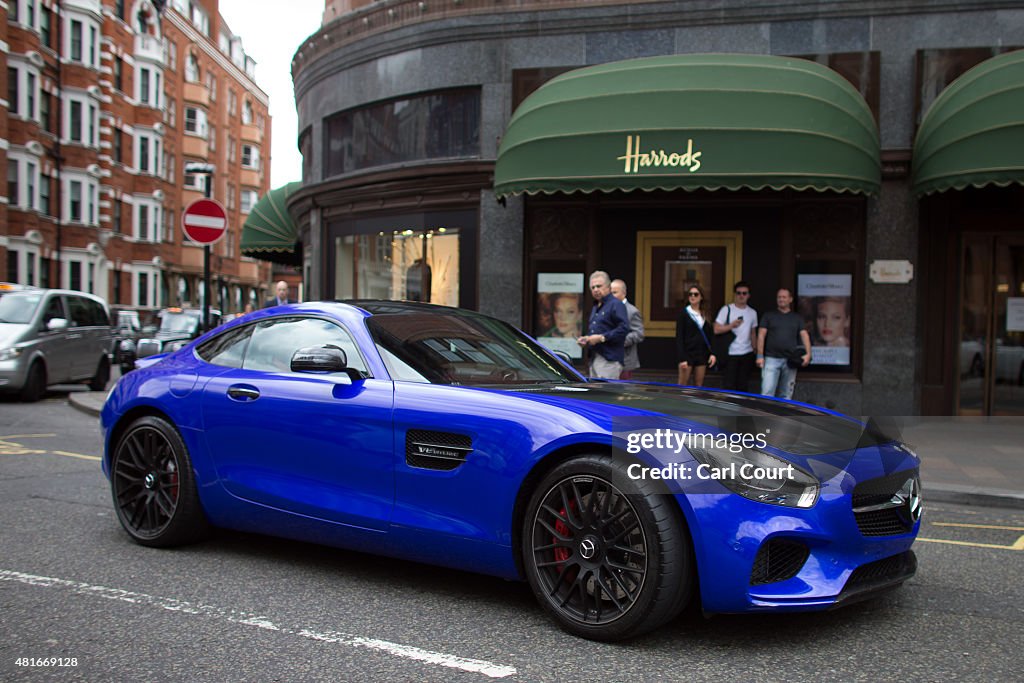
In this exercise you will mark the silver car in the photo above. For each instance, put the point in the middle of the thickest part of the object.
(52, 336)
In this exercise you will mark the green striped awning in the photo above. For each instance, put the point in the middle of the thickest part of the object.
(692, 121)
(269, 231)
(973, 135)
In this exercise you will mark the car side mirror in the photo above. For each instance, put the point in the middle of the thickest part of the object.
(55, 324)
(322, 360)
(562, 356)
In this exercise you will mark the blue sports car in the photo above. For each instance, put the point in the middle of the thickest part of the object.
(445, 436)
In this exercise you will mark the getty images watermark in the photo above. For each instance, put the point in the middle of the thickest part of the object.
(703, 446)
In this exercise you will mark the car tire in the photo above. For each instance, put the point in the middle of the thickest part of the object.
(154, 487)
(35, 383)
(102, 377)
(607, 556)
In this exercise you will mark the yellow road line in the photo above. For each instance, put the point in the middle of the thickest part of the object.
(77, 455)
(25, 436)
(979, 526)
(1019, 545)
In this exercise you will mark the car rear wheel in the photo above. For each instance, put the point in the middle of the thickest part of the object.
(102, 377)
(154, 487)
(607, 556)
(35, 383)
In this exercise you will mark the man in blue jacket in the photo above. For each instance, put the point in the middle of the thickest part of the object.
(607, 330)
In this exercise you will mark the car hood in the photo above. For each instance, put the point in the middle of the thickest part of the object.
(792, 427)
(12, 333)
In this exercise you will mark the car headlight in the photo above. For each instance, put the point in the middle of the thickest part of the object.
(10, 353)
(758, 476)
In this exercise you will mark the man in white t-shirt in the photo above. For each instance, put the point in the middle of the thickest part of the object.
(740, 319)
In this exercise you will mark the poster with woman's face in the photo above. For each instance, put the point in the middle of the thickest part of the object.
(826, 304)
(559, 317)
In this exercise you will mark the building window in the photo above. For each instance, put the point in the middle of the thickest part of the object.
(213, 138)
(211, 85)
(247, 112)
(76, 200)
(147, 153)
(116, 219)
(12, 182)
(306, 150)
(119, 8)
(191, 68)
(12, 90)
(30, 95)
(118, 145)
(142, 223)
(195, 121)
(194, 181)
(144, 85)
(232, 102)
(30, 185)
(143, 156)
(143, 294)
(251, 156)
(75, 275)
(172, 56)
(232, 150)
(171, 113)
(76, 40)
(44, 195)
(248, 200)
(80, 197)
(45, 30)
(436, 125)
(44, 112)
(118, 73)
(92, 46)
(76, 122)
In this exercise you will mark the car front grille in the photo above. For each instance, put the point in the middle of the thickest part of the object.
(148, 347)
(880, 506)
(777, 560)
(880, 574)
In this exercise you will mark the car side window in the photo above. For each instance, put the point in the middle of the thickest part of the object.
(78, 307)
(54, 309)
(275, 341)
(226, 349)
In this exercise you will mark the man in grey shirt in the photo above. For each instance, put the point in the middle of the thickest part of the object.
(781, 331)
(636, 331)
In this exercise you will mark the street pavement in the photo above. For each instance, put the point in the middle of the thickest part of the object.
(964, 460)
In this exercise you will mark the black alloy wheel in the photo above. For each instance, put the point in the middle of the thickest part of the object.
(607, 556)
(154, 487)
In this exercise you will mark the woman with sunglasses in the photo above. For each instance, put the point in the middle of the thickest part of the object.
(693, 339)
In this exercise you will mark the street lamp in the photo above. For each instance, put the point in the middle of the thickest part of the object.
(206, 170)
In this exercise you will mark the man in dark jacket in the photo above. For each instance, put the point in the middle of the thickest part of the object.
(282, 296)
(607, 330)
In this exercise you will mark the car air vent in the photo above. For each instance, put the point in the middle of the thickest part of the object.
(436, 450)
(887, 506)
(777, 560)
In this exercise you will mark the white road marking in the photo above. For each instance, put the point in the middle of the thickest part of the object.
(486, 668)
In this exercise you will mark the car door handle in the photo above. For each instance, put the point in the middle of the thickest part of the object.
(243, 393)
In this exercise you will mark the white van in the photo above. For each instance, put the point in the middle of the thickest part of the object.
(52, 336)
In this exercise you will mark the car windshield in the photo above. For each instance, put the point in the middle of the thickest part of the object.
(448, 346)
(178, 322)
(19, 307)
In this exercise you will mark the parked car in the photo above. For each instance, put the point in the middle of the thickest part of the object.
(177, 327)
(446, 436)
(127, 333)
(52, 336)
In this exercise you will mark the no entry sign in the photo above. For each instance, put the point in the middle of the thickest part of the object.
(204, 221)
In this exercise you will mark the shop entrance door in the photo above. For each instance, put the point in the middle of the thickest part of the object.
(990, 375)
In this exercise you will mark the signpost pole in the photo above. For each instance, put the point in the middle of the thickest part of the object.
(206, 264)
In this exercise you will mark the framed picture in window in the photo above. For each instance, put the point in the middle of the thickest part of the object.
(669, 262)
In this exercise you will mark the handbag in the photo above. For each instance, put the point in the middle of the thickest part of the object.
(795, 356)
(723, 341)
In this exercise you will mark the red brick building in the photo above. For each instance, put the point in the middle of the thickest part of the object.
(106, 102)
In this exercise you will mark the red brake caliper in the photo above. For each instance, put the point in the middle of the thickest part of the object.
(562, 553)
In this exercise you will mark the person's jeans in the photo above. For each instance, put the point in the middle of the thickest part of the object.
(777, 375)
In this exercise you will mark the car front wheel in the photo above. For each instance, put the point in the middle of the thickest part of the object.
(607, 556)
(154, 487)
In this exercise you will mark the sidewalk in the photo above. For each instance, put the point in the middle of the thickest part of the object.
(970, 461)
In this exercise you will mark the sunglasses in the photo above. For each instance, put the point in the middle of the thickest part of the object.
(742, 293)
(693, 293)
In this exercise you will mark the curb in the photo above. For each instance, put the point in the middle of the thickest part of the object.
(970, 495)
(85, 402)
